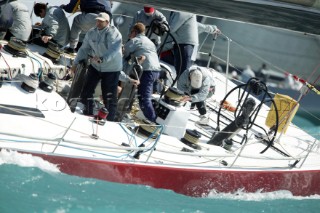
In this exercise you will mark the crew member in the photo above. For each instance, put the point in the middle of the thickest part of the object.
(198, 84)
(54, 23)
(140, 45)
(102, 45)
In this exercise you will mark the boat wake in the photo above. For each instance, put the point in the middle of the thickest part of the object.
(26, 160)
(259, 196)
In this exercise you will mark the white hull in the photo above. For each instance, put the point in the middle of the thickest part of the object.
(66, 139)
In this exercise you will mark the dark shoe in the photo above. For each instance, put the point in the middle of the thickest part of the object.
(70, 51)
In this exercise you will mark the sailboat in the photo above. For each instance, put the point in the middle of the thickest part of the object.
(250, 143)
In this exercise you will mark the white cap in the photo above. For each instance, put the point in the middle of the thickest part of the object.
(103, 17)
(196, 79)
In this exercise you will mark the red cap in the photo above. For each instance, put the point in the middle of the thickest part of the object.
(148, 9)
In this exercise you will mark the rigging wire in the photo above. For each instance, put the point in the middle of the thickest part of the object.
(268, 62)
(303, 91)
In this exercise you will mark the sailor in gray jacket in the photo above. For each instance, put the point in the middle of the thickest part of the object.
(54, 23)
(21, 27)
(167, 53)
(198, 84)
(147, 16)
(102, 45)
(184, 28)
(140, 45)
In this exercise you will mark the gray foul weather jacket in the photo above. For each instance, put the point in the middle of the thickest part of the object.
(147, 20)
(22, 25)
(184, 83)
(142, 45)
(202, 28)
(184, 27)
(106, 44)
(56, 24)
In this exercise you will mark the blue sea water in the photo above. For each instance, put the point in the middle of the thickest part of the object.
(29, 184)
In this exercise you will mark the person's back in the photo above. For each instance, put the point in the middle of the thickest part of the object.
(142, 45)
(184, 27)
(56, 24)
(88, 6)
(184, 83)
(22, 26)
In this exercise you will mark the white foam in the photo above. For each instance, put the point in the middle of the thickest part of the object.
(259, 195)
(26, 160)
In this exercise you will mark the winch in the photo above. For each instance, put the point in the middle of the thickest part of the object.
(16, 47)
(53, 52)
(172, 114)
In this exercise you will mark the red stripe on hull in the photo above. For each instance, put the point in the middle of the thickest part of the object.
(191, 182)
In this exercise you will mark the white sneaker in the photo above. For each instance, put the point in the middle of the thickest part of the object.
(204, 120)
